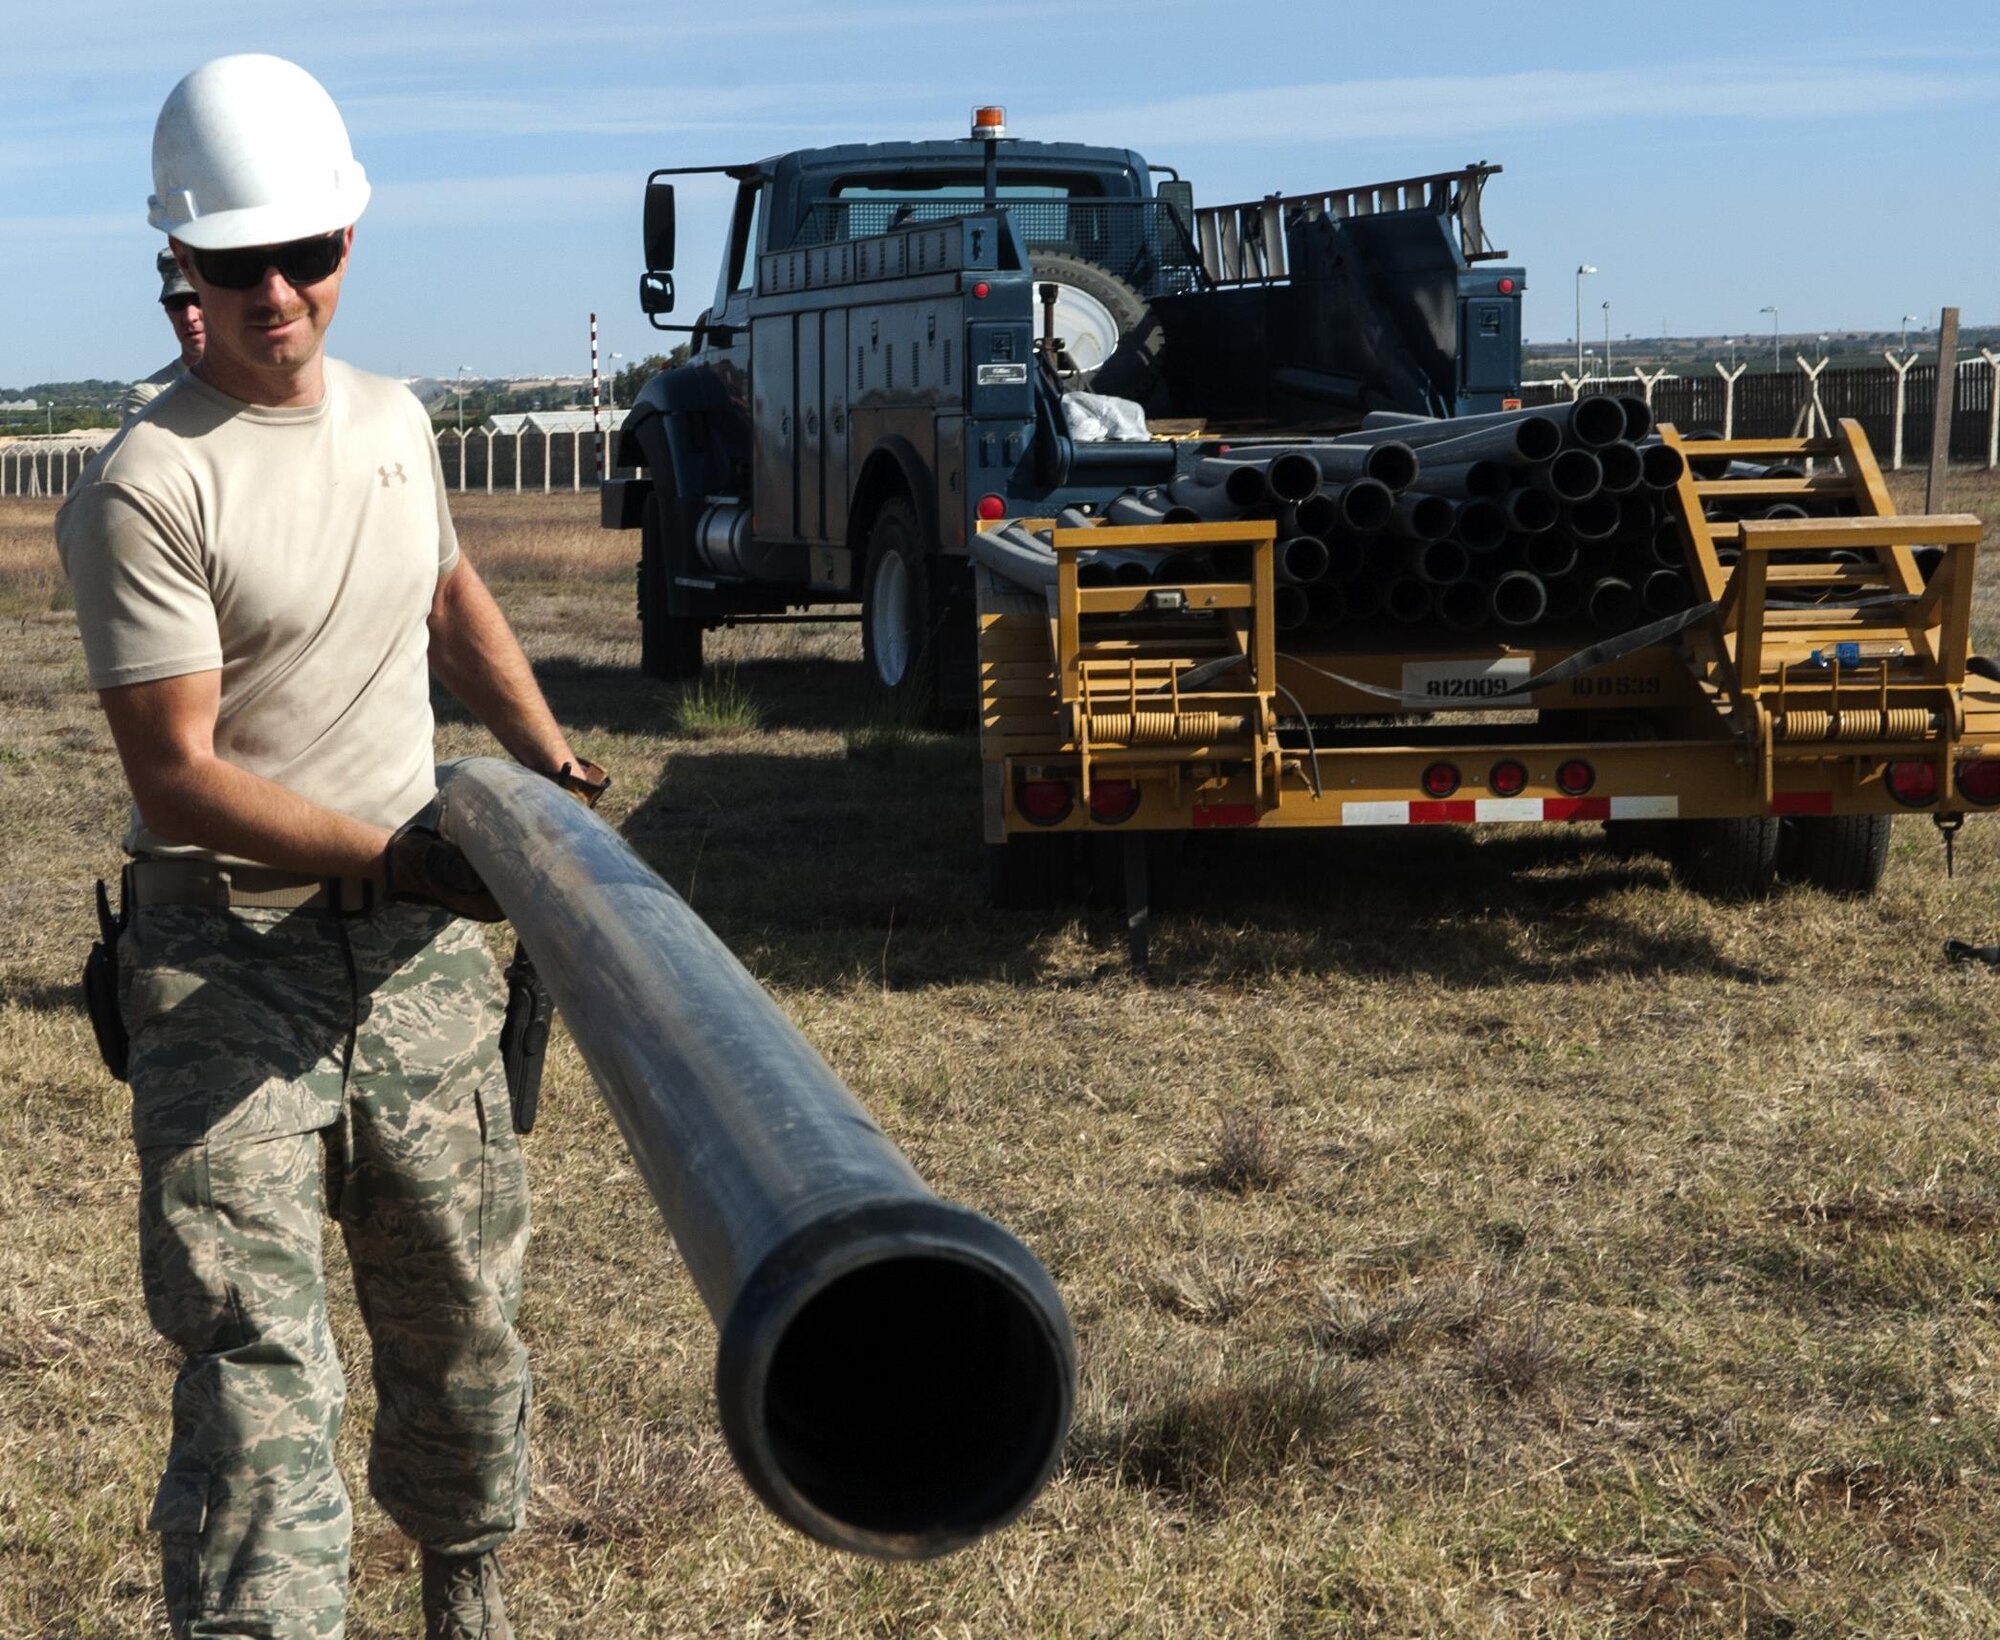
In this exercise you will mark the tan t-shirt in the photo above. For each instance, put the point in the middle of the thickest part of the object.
(141, 394)
(295, 550)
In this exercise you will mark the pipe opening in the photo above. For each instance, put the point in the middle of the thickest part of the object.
(915, 1397)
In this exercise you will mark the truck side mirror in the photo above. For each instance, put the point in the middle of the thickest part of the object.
(1180, 197)
(656, 293)
(659, 231)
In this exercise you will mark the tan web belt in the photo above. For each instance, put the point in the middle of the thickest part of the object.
(204, 882)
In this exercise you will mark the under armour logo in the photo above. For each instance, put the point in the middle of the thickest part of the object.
(395, 472)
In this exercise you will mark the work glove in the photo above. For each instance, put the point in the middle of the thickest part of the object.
(419, 865)
(585, 781)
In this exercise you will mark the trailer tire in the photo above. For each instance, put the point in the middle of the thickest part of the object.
(1726, 859)
(899, 615)
(1844, 854)
(1128, 334)
(669, 645)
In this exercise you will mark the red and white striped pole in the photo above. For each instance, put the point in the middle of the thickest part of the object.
(596, 421)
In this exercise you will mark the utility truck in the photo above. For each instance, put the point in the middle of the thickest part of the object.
(1230, 516)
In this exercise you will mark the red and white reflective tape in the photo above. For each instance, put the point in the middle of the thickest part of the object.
(1466, 811)
(596, 424)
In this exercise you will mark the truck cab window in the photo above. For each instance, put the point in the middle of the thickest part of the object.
(739, 268)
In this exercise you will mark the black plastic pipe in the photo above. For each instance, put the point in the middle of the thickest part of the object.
(1530, 511)
(1423, 517)
(1389, 462)
(1526, 435)
(1365, 504)
(1574, 475)
(1463, 480)
(1316, 515)
(1407, 599)
(1290, 608)
(1463, 606)
(895, 1374)
(1481, 526)
(1519, 598)
(1300, 558)
(1549, 554)
(1665, 592)
(1638, 416)
(1660, 466)
(1595, 518)
(1438, 563)
(1620, 466)
(1611, 602)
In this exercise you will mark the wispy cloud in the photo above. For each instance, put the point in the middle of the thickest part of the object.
(1456, 105)
(465, 202)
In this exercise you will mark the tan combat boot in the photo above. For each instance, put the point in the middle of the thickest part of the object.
(462, 1598)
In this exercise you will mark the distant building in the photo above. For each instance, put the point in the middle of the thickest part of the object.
(551, 422)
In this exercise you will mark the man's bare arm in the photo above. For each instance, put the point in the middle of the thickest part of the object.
(165, 733)
(477, 657)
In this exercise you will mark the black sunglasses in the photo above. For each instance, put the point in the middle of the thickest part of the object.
(301, 261)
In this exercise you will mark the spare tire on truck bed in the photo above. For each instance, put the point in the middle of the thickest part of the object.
(1106, 327)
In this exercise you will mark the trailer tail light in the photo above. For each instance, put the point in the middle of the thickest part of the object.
(1441, 780)
(1574, 777)
(1912, 784)
(992, 507)
(1044, 802)
(1113, 801)
(1507, 779)
(1979, 780)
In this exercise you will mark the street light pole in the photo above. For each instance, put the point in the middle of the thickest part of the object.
(459, 386)
(1607, 341)
(1774, 336)
(1581, 269)
(1906, 333)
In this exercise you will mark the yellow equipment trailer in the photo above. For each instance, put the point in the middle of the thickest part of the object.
(1823, 684)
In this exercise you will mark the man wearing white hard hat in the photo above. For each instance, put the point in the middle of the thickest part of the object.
(266, 579)
(183, 310)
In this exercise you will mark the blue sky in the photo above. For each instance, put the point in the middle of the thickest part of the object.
(1710, 159)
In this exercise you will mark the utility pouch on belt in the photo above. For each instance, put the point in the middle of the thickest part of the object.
(100, 985)
(524, 1037)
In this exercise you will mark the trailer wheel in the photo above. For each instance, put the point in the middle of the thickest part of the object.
(669, 645)
(1106, 326)
(1842, 853)
(898, 624)
(1726, 859)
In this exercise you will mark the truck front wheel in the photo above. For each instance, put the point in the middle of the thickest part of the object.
(898, 624)
(669, 645)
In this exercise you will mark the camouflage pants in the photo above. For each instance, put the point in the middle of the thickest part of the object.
(287, 1066)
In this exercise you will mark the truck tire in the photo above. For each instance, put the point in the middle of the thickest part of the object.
(669, 645)
(1842, 853)
(899, 618)
(1726, 859)
(1116, 341)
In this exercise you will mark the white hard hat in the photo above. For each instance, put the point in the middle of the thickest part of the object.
(250, 150)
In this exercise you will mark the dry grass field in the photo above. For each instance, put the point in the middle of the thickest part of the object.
(1470, 1236)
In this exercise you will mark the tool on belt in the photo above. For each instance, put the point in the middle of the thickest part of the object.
(100, 983)
(524, 1034)
(524, 1037)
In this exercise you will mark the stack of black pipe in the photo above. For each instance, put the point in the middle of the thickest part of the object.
(1493, 523)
